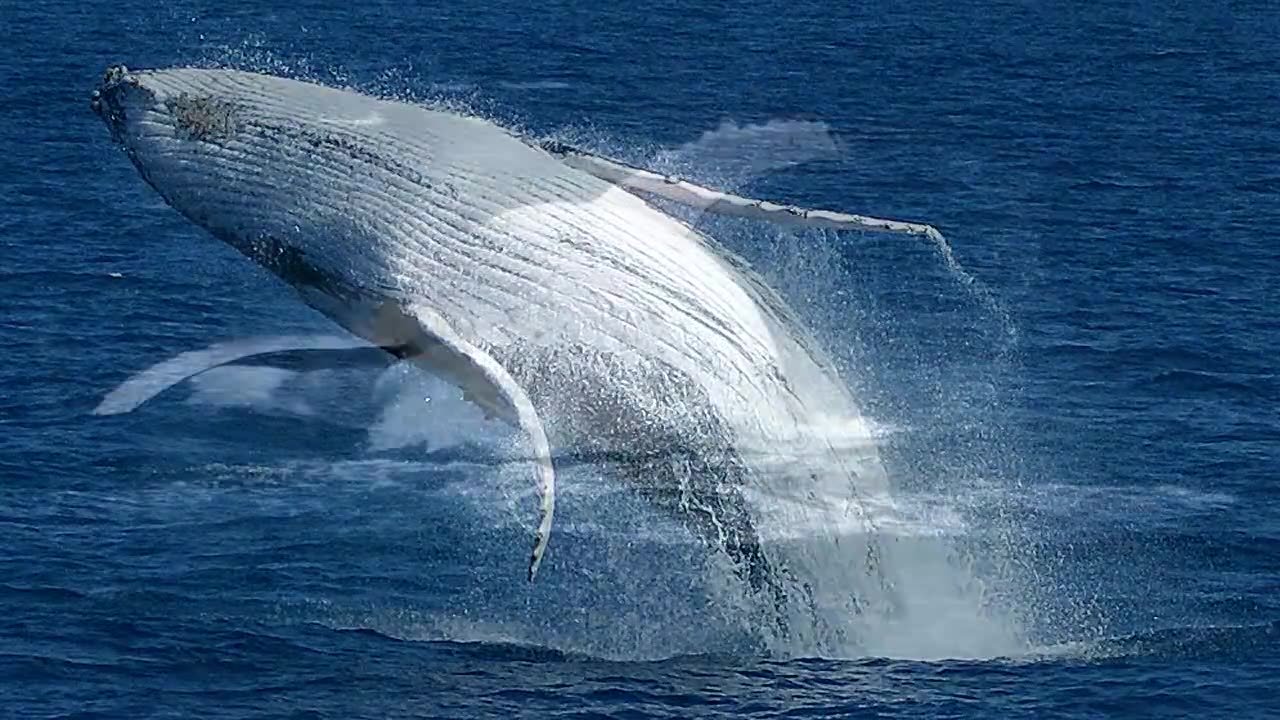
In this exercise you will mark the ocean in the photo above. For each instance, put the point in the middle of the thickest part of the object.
(1075, 400)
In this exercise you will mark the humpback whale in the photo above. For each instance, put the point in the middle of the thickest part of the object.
(543, 281)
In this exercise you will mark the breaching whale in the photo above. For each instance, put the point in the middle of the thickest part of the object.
(537, 278)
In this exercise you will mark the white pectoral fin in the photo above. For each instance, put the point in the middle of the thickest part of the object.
(431, 343)
(715, 201)
(330, 349)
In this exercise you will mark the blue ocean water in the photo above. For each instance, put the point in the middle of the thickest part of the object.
(1089, 428)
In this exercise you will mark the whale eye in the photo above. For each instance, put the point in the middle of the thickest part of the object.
(202, 117)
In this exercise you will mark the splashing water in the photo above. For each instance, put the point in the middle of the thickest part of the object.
(939, 605)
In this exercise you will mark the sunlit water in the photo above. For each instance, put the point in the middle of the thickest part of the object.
(1078, 433)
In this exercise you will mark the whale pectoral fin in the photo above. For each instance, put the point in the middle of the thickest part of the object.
(432, 344)
(297, 351)
(715, 201)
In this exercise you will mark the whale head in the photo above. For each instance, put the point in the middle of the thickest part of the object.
(331, 190)
(247, 162)
(340, 194)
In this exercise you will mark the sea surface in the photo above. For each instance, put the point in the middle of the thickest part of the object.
(1078, 412)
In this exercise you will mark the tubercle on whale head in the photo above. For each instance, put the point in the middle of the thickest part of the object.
(111, 98)
(112, 77)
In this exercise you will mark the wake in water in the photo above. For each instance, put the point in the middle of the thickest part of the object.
(793, 484)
